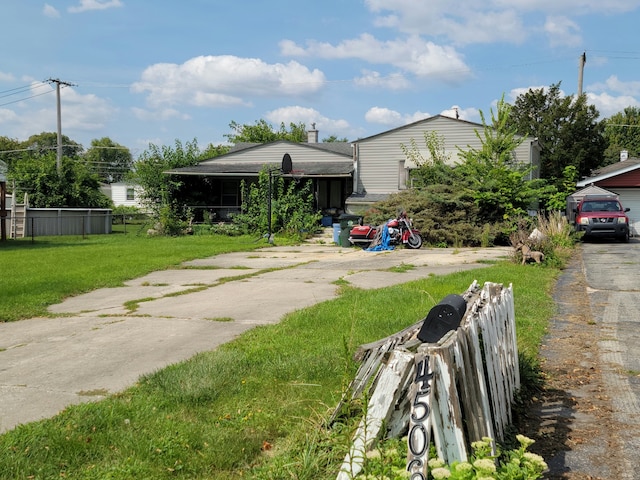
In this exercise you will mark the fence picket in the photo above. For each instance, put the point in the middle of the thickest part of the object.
(467, 389)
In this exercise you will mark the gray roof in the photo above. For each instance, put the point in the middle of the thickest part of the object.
(343, 148)
(342, 168)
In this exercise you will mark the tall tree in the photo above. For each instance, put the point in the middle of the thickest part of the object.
(111, 161)
(622, 132)
(159, 190)
(263, 132)
(213, 151)
(497, 183)
(45, 142)
(567, 128)
(76, 186)
(10, 149)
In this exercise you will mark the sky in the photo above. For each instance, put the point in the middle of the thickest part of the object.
(144, 72)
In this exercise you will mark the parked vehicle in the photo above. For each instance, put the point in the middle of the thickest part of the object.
(400, 232)
(602, 217)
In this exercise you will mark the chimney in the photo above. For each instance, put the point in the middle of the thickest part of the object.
(312, 135)
(624, 154)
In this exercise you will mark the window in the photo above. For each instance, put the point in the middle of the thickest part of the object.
(131, 194)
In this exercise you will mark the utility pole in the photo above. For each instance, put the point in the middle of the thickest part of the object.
(583, 60)
(59, 82)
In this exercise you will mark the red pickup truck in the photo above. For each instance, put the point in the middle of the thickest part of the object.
(602, 217)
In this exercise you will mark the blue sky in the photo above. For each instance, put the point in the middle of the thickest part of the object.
(156, 71)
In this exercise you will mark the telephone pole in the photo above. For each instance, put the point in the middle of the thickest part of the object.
(583, 60)
(59, 82)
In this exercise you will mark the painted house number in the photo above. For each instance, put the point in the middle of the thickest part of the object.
(419, 425)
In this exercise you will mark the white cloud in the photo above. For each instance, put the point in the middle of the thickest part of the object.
(616, 85)
(391, 118)
(50, 11)
(487, 21)
(475, 22)
(562, 31)
(87, 5)
(79, 112)
(608, 104)
(570, 6)
(469, 114)
(222, 81)
(6, 77)
(413, 54)
(7, 116)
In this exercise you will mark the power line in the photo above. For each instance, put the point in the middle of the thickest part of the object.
(26, 98)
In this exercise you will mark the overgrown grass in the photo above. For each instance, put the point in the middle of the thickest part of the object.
(253, 408)
(36, 275)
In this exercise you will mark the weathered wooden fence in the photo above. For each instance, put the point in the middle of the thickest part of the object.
(449, 393)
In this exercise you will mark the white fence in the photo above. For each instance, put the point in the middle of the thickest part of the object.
(447, 394)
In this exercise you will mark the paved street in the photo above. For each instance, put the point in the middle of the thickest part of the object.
(591, 409)
(612, 272)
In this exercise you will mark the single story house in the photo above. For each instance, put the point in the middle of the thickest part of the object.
(122, 194)
(623, 179)
(328, 165)
(347, 177)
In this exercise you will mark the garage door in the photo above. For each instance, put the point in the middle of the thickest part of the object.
(631, 199)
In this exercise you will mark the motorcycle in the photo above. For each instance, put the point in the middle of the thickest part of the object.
(400, 232)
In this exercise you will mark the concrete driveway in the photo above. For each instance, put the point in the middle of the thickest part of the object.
(103, 341)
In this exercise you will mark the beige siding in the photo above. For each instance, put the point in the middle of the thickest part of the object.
(380, 156)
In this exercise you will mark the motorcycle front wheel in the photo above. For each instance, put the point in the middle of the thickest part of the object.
(414, 241)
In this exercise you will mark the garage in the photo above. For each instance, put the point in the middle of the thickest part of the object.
(623, 179)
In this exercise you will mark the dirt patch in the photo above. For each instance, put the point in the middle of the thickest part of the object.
(571, 419)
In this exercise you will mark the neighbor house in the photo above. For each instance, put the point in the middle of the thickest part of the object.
(381, 167)
(347, 177)
(623, 179)
(123, 194)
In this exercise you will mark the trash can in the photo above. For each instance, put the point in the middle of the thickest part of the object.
(344, 238)
(347, 221)
(336, 233)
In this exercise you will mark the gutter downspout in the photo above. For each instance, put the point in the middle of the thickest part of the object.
(356, 167)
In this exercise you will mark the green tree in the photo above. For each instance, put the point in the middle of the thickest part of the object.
(46, 142)
(10, 150)
(263, 132)
(292, 209)
(567, 127)
(434, 169)
(498, 184)
(77, 186)
(334, 139)
(622, 132)
(213, 151)
(111, 161)
(161, 193)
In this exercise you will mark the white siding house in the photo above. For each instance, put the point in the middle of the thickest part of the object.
(123, 194)
(381, 167)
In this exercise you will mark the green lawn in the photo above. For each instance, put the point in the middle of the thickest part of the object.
(36, 275)
(253, 408)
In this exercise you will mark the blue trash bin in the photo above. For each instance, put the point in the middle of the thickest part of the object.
(336, 233)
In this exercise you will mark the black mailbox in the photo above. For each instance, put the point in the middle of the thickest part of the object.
(442, 318)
